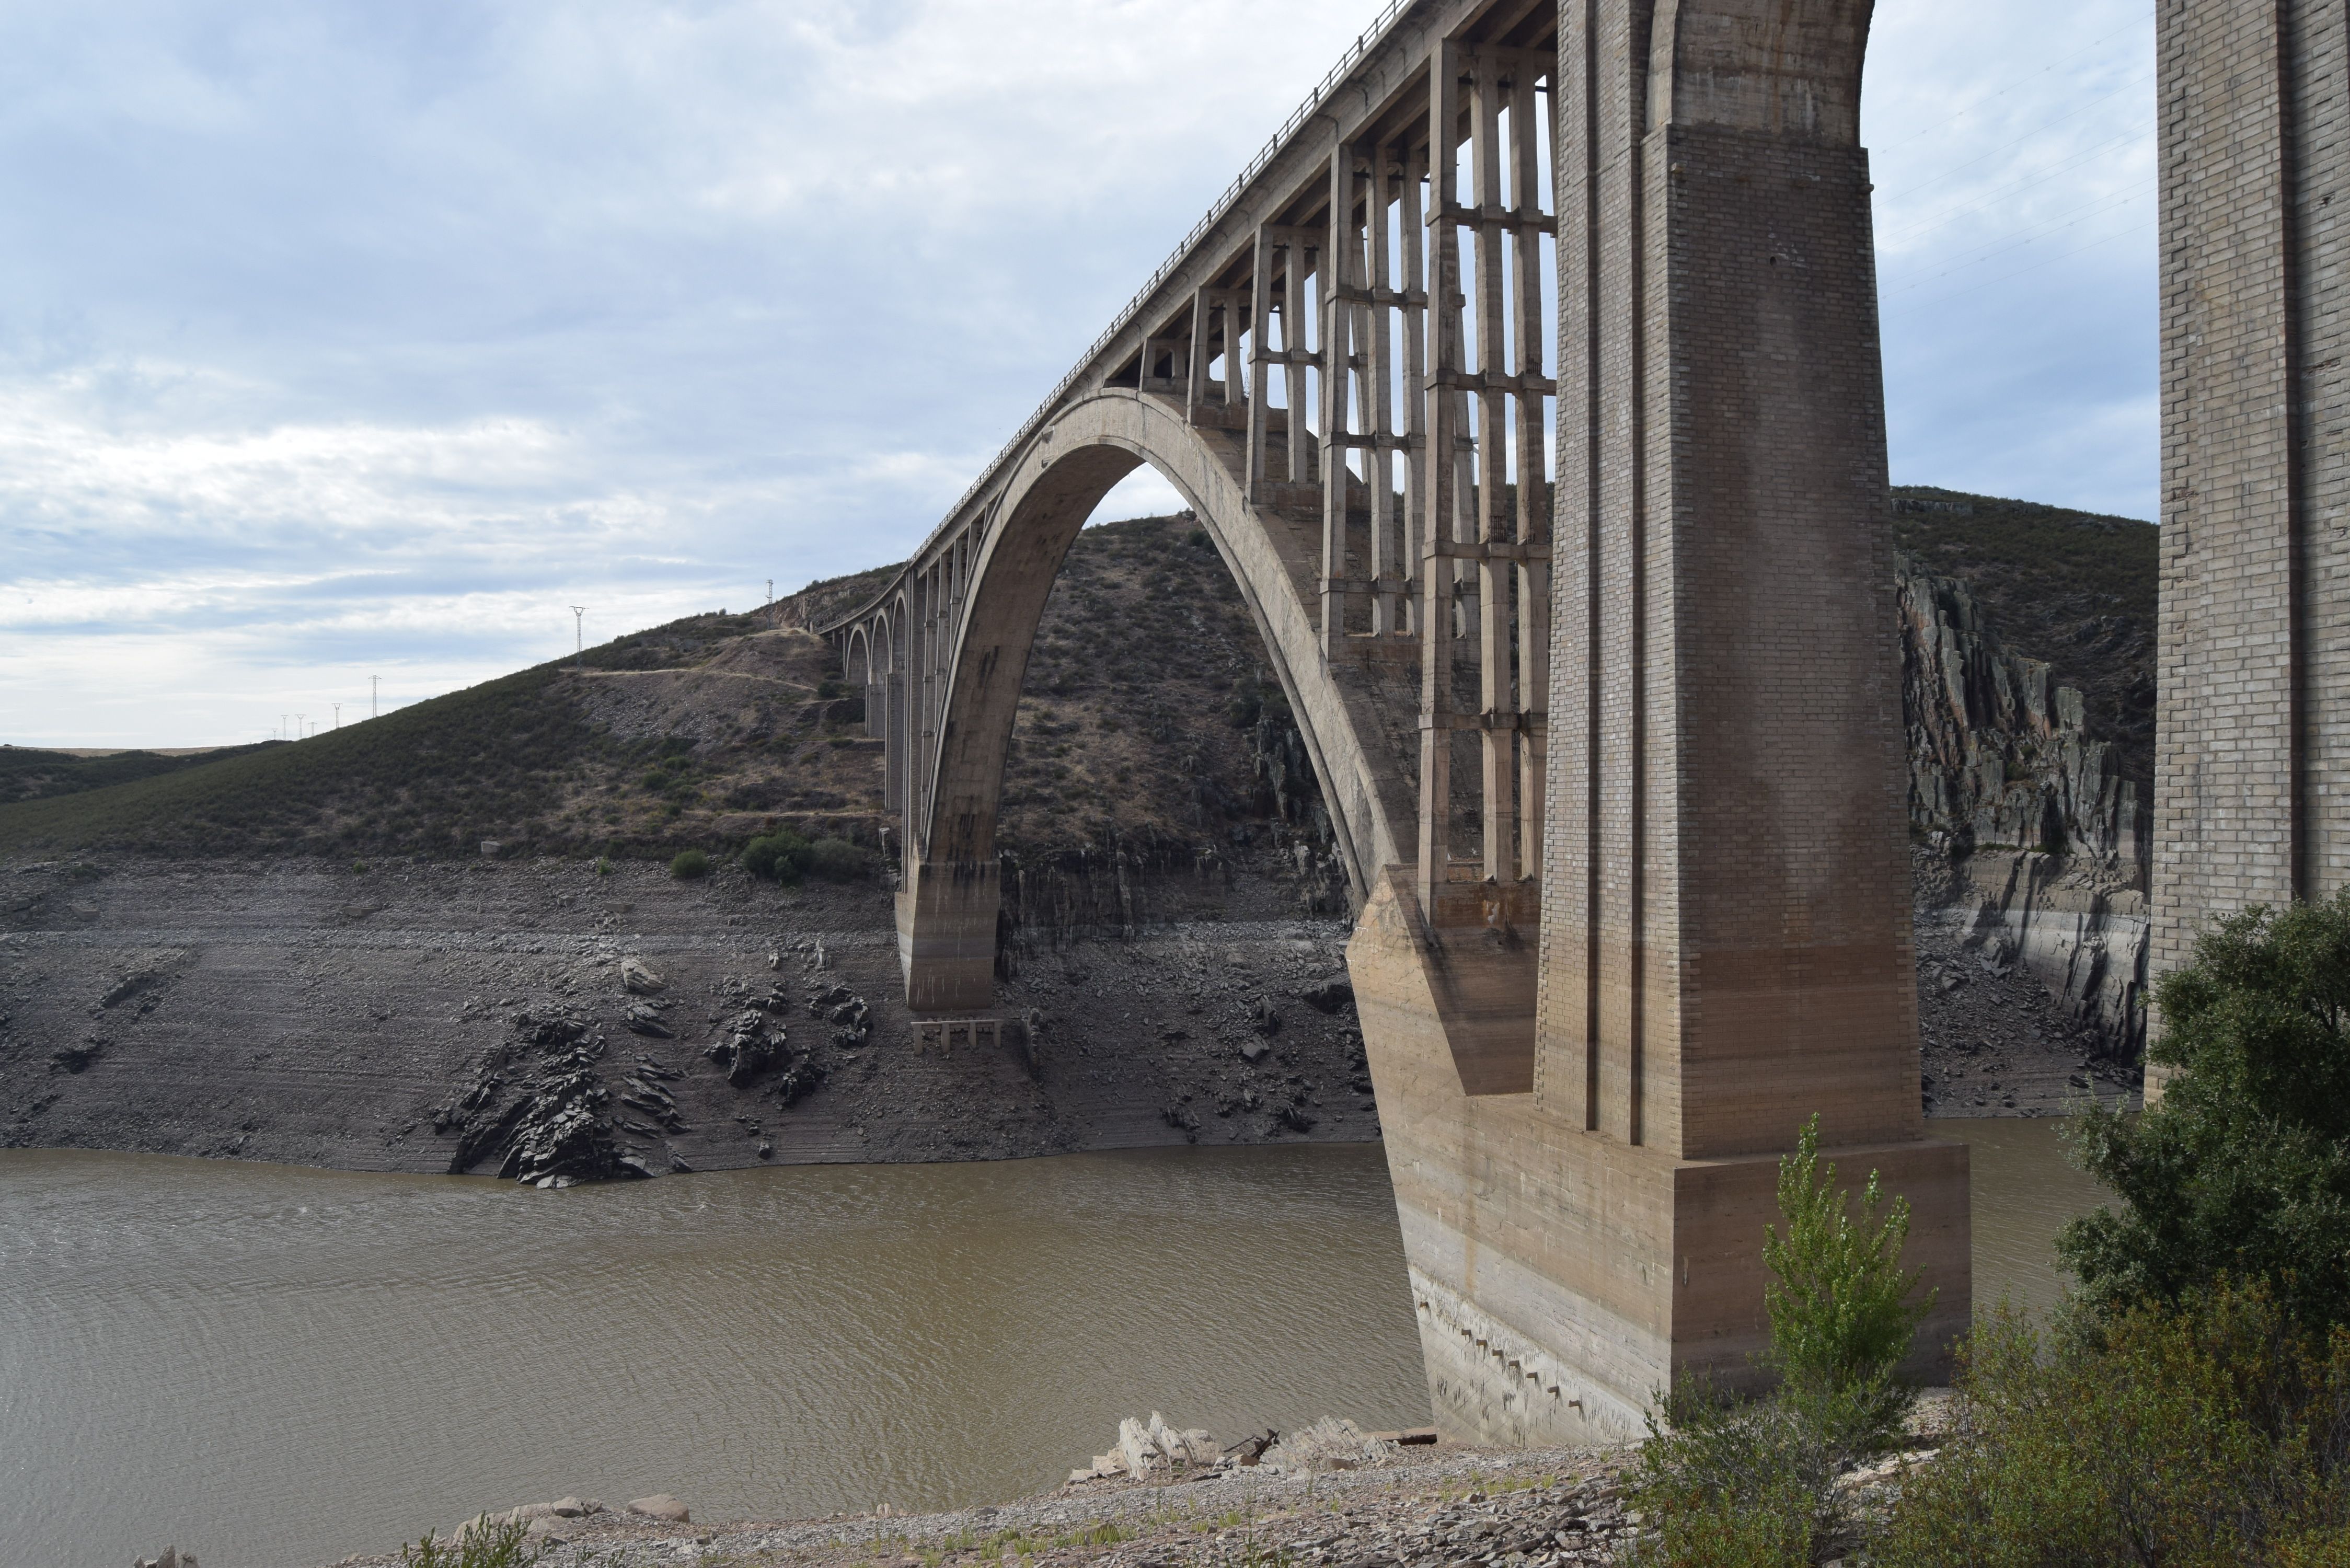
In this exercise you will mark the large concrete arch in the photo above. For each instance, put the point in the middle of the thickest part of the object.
(1613, 748)
(949, 900)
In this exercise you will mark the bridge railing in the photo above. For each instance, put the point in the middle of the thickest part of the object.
(1365, 41)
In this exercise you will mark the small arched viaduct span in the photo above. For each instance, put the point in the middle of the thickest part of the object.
(947, 905)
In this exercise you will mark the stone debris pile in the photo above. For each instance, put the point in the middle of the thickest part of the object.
(1154, 1450)
(544, 1523)
(1332, 1443)
(747, 1047)
(1423, 1507)
(1145, 1449)
(172, 1558)
(543, 1108)
(645, 1018)
(755, 1043)
(851, 1020)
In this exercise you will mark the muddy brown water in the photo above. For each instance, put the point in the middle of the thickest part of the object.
(277, 1367)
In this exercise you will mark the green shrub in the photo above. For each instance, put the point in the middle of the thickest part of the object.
(480, 1544)
(838, 860)
(1839, 1300)
(2243, 1168)
(1731, 1484)
(2217, 1434)
(782, 856)
(690, 864)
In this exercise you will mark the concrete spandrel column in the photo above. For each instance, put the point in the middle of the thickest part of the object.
(1723, 931)
(1386, 571)
(1260, 370)
(1497, 697)
(1529, 329)
(1411, 239)
(1438, 498)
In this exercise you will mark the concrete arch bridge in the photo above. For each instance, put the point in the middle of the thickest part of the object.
(1528, 384)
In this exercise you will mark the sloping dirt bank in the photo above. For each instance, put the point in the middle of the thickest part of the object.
(437, 1016)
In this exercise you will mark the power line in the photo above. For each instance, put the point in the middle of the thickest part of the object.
(2030, 237)
(2012, 87)
(2029, 136)
(2036, 266)
(2013, 187)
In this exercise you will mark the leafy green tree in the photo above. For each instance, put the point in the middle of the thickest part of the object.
(1842, 1315)
(838, 860)
(1727, 1484)
(2243, 1169)
(2213, 1435)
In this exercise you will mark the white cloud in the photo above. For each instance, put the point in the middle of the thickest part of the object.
(2013, 152)
(339, 338)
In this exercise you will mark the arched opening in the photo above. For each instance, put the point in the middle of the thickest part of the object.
(950, 909)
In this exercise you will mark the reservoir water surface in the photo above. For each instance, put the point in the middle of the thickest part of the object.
(277, 1367)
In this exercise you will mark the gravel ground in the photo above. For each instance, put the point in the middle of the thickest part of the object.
(1991, 1041)
(1422, 1507)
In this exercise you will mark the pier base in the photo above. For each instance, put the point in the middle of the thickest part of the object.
(1563, 1278)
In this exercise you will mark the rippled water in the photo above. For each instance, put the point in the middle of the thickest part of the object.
(277, 1367)
(282, 1365)
(2024, 1192)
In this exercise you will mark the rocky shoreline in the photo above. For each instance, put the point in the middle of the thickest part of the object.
(447, 1015)
(1413, 1507)
(1329, 1496)
(548, 1021)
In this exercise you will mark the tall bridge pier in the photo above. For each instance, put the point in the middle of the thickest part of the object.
(1586, 618)
(2253, 763)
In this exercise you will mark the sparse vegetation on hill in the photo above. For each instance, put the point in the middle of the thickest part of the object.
(2074, 589)
(29, 773)
(1148, 722)
(473, 764)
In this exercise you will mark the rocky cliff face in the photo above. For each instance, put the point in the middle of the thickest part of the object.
(2046, 841)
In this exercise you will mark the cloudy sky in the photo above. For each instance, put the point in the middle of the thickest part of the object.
(344, 339)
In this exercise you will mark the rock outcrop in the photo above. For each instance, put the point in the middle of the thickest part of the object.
(2047, 843)
(552, 1129)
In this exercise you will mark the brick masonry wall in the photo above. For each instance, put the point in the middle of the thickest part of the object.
(1726, 943)
(2253, 733)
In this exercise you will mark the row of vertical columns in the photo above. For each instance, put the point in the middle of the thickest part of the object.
(1369, 275)
(1485, 508)
(1277, 293)
(1216, 315)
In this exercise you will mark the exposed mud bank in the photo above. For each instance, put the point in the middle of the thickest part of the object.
(394, 1019)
